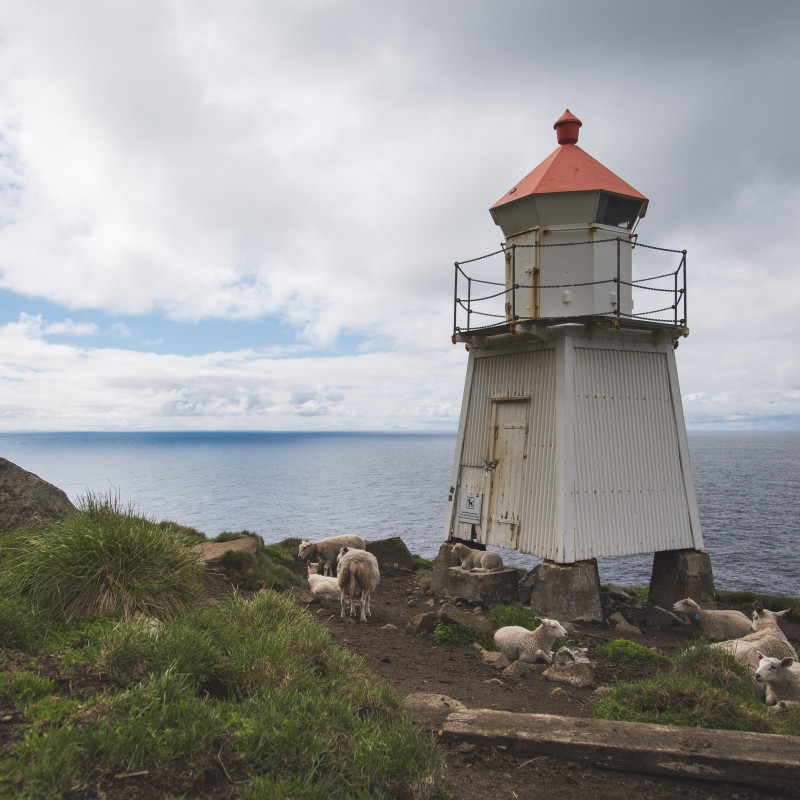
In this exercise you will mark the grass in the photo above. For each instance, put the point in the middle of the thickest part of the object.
(702, 687)
(454, 633)
(101, 559)
(250, 684)
(624, 651)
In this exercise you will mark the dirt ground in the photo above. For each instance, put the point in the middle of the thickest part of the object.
(413, 663)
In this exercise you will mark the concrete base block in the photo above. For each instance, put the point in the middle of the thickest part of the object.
(486, 588)
(444, 560)
(566, 592)
(682, 573)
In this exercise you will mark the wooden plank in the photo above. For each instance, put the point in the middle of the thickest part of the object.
(757, 759)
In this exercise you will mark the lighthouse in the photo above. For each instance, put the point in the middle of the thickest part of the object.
(572, 443)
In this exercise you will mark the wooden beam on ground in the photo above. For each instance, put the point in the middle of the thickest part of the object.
(757, 759)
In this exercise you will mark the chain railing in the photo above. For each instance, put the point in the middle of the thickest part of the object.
(481, 304)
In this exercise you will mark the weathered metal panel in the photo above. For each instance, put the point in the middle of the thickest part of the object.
(630, 495)
(605, 469)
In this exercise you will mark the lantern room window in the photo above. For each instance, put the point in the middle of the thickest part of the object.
(621, 212)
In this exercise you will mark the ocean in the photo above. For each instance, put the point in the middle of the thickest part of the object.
(313, 485)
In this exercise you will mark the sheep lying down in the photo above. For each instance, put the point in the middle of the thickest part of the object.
(716, 625)
(780, 678)
(518, 643)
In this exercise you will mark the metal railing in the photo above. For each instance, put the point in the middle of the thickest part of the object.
(493, 303)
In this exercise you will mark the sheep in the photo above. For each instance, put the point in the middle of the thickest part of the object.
(477, 559)
(323, 586)
(358, 577)
(518, 643)
(715, 625)
(781, 677)
(327, 549)
(766, 637)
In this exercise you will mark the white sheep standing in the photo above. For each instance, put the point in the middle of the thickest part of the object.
(477, 559)
(328, 549)
(780, 676)
(716, 625)
(766, 637)
(518, 643)
(358, 576)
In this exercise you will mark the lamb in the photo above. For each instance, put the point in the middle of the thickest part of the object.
(322, 585)
(518, 643)
(781, 677)
(766, 637)
(327, 549)
(715, 625)
(477, 559)
(358, 577)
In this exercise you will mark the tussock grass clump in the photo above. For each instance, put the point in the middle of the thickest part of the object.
(103, 559)
(704, 687)
(675, 699)
(454, 633)
(625, 651)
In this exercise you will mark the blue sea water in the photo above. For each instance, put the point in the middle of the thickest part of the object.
(381, 485)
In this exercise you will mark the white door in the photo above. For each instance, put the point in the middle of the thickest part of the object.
(508, 439)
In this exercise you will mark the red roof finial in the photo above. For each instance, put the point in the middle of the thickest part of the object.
(567, 128)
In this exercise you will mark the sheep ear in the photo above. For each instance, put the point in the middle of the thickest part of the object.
(759, 654)
(758, 607)
(783, 613)
(787, 662)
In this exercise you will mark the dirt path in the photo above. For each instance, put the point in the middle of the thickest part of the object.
(413, 663)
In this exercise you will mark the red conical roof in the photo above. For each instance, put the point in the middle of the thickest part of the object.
(568, 169)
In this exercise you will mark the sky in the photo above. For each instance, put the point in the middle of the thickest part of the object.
(245, 215)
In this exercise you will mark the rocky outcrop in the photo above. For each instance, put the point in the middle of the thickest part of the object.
(27, 501)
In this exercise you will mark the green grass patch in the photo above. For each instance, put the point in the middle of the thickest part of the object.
(422, 563)
(298, 716)
(624, 651)
(743, 601)
(506, 614)
(102, 559)
(454, 633)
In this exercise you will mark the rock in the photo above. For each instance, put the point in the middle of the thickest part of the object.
(213, 551)
(571, 655)
(422, 623)
(494, 659)
(616, 618)
(657, 617)
(392, 554)
(430, 700)
(27, 501)
(617, 593)
(449, 613)
(578, 675)
(626, 627)
(519, 670)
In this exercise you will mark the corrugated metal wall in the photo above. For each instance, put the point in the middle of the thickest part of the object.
(629, 485)
(603, 473)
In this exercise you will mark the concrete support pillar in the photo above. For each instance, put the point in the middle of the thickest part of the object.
(565, 592)
(682, 573)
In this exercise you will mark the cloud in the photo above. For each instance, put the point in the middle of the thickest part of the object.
(240, 163)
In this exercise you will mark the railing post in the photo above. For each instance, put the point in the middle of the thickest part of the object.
(619, 287)
(685, 313)
(455, 299)
(513, 283)
(469, 301)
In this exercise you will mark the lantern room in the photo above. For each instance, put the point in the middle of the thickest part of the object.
(569, 234)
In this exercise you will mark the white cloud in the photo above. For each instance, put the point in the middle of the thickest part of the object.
(325, 163)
